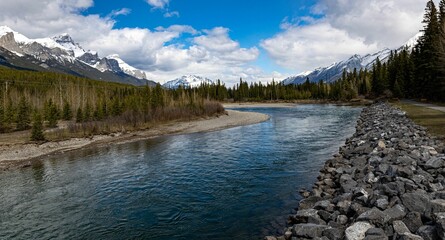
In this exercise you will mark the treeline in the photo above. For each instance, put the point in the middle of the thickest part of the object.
(346, 88)
(421, 72)
(93, 106)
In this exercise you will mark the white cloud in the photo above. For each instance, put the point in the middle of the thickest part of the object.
(171, 14)
(119, 12)
(164, 52)
(346, 27)
(319, 44)
(161, 4)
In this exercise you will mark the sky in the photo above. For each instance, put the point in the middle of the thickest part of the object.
(257, 40)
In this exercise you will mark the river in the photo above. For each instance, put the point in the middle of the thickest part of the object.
(235, 183)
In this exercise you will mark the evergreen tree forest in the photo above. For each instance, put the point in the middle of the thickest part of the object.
(28, 97)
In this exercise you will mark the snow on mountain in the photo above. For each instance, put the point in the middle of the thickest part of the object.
(130, 70)
(62, 54)
(189, 81)
(19, 38)
(67, 43)
(335, 71)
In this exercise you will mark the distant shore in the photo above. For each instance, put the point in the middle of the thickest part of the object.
(23, 155)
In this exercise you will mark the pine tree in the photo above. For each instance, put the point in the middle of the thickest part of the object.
(23, 115)
(79, 115)
(52, 114)
(37, 128)
(67, 114)
(429, 53)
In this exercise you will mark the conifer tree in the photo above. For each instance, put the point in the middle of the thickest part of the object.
(37, 128)
(79, 115)
(429, 53)
(67, 114)
(23, 115)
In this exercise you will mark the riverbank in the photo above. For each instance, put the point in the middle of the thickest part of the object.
(387, 181)
(22, 155)
(284, 104)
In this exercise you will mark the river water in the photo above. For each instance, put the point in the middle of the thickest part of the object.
(235, 183)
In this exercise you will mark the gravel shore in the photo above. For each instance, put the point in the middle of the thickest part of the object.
(22, 155)
(386, 182)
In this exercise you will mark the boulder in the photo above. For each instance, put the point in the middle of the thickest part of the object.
(427, 232)
(400, 228)
(357, 231)
(416, 202)
(398, 212)
(308, 230)
(413, 221)
(434, 163)
(334, 233)
(374, 216)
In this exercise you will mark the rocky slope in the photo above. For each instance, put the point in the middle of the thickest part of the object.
(386, 182)
(62, 54)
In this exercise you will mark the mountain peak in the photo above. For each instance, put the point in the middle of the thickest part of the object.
(63, 38)
(187, 81)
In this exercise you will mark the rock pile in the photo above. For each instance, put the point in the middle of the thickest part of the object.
(386, 182)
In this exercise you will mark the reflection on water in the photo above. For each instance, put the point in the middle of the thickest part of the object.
(240, 182)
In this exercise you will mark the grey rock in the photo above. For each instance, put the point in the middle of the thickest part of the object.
(438, 205)
(374, 216)
(309, 202)
(398, 212)
(413, 221)
(382, 203)
(440, 224)
(302, 216)
(357, 231)
(416, 202)
(333, 233)
(410, 236)
(308, 230)
(434, 163)
(375, 232)
(427, 232)
(400, 228)
(342, 219)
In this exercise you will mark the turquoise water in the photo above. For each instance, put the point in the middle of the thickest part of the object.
(240, 182)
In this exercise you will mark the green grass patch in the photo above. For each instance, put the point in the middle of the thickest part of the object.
(432, 119)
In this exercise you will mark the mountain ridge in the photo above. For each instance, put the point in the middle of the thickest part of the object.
(334, 71)
(61, 54)
(187, 81)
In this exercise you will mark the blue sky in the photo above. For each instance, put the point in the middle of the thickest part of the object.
(222, 39)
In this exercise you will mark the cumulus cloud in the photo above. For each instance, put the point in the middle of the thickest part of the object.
(164, 52)
(341, 28)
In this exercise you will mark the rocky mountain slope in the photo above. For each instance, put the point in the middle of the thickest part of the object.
(62, 54)
(335, 71)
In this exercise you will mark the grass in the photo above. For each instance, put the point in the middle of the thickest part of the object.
(433, 120)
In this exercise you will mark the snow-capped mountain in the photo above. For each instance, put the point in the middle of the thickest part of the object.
(62, 54)
(334, 72)
(130, 70)
(189, 81)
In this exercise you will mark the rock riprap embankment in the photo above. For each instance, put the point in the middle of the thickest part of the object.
(386, 182)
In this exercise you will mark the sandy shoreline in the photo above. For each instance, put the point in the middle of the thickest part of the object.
(22, 155)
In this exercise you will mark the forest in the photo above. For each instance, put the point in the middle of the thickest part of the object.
(41, 99)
